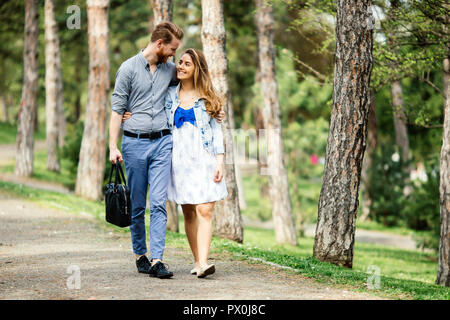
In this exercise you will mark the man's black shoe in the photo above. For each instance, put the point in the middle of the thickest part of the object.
(159, 270)
(143, 265)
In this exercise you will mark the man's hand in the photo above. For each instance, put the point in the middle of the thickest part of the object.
(115, 154)
(220, 116)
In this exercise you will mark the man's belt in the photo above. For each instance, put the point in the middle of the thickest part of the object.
(151, 135)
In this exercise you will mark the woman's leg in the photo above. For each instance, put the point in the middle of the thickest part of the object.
(204, 231)
(191, 226)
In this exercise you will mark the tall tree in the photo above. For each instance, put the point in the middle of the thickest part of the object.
(162, 11)
(28, 105)
(338, 202)
(227, 217)
(372, 137)
(400, 119)
(91, 165)
(443, 274)
(53, 86)
(278, 181)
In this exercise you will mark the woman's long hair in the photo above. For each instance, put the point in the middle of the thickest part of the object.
(203, 84)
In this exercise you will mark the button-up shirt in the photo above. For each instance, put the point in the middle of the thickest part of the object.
(142, 93)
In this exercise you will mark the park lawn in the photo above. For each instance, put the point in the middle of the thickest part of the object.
(404, 274)
(40, 171)
(8, 133)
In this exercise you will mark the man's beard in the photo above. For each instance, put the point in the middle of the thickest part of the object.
(162, 58)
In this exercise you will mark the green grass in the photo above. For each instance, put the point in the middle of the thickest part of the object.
(8, 133)
(41, 172)
(405, 274)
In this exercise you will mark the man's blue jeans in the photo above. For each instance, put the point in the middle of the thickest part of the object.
(148, 163)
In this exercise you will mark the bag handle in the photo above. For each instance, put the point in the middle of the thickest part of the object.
(117, 181)
(119, 166)
(111, 172)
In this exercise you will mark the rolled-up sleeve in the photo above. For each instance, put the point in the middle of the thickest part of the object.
(119, 98)
(217, 136)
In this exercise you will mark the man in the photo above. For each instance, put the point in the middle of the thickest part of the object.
(141, 86)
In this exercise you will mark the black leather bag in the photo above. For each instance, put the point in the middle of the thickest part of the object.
(117, 199)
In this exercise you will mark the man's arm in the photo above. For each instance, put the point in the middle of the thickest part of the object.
(114, 128)
(119, 102)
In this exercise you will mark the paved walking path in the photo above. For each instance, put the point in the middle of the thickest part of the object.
(42, 250)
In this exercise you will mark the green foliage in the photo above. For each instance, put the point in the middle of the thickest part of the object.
(387, 180)
(422, 210)
(417, 210)
(71, 149)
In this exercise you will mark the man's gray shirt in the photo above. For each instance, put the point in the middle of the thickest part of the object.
(138, 91)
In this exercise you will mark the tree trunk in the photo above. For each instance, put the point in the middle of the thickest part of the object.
(52, 86)
(367, 162)
(443, 274)
(278, 181)
(162, 11)
(227, 216)
(62, 124)
(77, 78)
(91, 165)
(28, 105)
(338, 202)
(401, 131)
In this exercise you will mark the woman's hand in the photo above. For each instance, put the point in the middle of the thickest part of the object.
(220, 116)
(220, 168)
(126, 116)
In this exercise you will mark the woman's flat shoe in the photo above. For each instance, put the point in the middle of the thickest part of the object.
(203, 272)
(194, 271)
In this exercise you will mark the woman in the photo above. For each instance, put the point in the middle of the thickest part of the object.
(196, 181)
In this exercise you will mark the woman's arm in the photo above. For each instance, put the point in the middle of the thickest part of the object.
(217, 136)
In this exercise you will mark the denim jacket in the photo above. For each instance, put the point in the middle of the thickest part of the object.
(211, 130)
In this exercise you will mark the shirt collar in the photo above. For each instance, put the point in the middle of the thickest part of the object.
(145, 62)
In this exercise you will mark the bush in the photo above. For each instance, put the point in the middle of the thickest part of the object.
(386, 182)
(71, 148)
(422, 210)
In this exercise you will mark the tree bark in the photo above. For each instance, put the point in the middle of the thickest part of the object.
(62, 123)
(338, 202)
(372, 137)
(283, 218)
(53, 88)
(227, 217)
(91, 165)
(162, 11)
(443, 274)
(28, 105)
(401, 130)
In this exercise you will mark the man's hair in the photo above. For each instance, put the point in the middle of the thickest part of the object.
(166, 30)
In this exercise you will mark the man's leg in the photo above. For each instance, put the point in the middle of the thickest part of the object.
(158, 178)
(135, 154)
